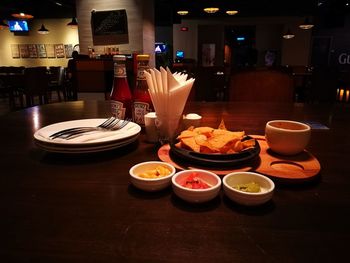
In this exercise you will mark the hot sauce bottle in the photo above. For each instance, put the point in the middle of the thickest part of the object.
(121, 98)
(142, 100)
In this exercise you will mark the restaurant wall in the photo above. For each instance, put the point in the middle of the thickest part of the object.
(268, 36)
(59, 34)
(140, 15)
(339, 49)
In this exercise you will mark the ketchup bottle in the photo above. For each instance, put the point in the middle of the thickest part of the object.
(142, 100)
(121, 98)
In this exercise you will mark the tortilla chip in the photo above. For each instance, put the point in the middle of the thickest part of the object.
(238, 146)
(219, 141)
(210, 140)
(200, 139)
(204, 130)
(248, 143)
(222, 125)
(191, 144)
(186, 134)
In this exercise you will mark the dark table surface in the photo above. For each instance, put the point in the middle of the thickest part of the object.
(82, 208)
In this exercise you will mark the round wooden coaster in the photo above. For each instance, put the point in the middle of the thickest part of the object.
(297, 168)
(165, 155)
(300, 167)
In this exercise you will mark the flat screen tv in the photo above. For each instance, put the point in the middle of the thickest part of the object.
(160, 47)
(180, 54)
(18, 25)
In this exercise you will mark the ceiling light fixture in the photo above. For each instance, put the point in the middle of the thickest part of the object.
(306, 24)
(22, 16)
(288, 34)
(73, 23)
(211, 10)
(231, 12)
(182, 12)
(3, 25)
(43, 30)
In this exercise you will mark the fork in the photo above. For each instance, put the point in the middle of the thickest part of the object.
(106, 124)
(114, 127)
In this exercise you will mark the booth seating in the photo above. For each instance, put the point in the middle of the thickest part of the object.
(266, 85)
(94, 76)
(35, 85)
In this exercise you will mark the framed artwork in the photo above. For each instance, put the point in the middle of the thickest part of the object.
(68, 50)
(15, 51)
(24, 51)
(33, 52)
(109, 27)
(50, 50)
(59, 50)
(41, 51)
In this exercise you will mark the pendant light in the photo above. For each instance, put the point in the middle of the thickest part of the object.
(22, 15)
(73, 23)
(211, 10)
(231, 12)
(288, 34)
(306, 25)
(43, 30)
(182, 12)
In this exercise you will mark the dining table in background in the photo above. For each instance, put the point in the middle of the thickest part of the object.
(82, 207)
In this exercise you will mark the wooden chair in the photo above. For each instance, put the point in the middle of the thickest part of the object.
(36, 85)
(261, 85)
(56, 82)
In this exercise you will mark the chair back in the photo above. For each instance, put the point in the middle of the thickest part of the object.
(56, 75)
(36, 83)
(261, 85)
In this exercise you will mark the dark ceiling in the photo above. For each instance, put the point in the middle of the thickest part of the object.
(165, 10)
(40, 9)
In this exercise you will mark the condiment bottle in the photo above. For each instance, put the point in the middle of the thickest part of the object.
(121, 98)
(142, 100)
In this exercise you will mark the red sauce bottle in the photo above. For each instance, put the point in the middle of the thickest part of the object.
(121, 98)
(142, 100)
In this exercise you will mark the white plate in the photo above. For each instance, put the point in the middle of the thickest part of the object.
(98, 138)
(91, 149)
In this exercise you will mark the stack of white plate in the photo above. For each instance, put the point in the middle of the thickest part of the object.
(92, 142)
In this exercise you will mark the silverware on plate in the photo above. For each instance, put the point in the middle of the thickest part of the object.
(111, 124)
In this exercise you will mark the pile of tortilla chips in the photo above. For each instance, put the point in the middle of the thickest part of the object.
(210, 140)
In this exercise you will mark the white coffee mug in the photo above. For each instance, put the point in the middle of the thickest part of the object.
(287, 137)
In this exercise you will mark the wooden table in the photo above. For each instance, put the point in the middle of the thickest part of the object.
(64, 208)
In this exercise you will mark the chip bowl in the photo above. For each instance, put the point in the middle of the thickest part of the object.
(246, 198)
(196, 195)
(150, 184)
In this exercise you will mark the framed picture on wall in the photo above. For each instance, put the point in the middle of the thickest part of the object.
(33, 52)
(50, 50)
(109, 27)
(24, 51)
(15, 51)
(41, 51)
(68, 50)
(59, 50)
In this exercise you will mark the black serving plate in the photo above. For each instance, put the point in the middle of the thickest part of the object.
(215, 159)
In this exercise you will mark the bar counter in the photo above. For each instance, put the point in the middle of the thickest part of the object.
(82, 208)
